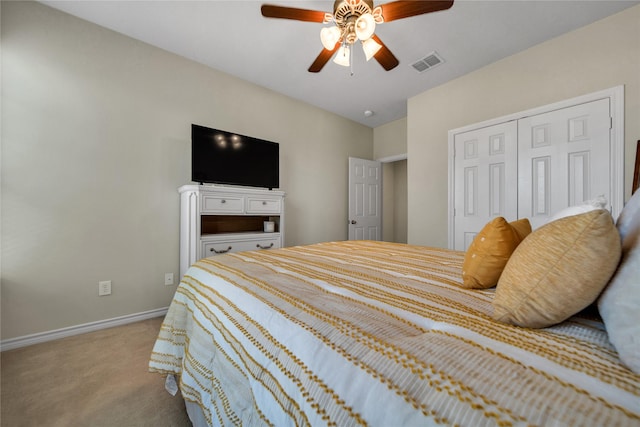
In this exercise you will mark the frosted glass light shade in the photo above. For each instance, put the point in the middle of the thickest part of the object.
(342, 57)
(329, 37)
(365, 26)
(370, 47)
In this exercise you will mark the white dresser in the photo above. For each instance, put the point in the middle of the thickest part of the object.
(217, 219)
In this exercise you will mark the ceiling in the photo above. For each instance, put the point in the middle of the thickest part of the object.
(233, 37)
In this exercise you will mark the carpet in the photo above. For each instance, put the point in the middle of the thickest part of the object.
(95, 379)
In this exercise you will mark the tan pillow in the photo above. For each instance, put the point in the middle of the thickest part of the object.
(490, 250)
(558, 270)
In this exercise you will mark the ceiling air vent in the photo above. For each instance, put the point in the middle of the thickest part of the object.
(428, 62)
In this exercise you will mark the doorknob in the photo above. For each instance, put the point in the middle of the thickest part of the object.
(353, 221)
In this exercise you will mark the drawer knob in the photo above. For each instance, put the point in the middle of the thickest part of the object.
(223, 201)
(221, 251)
(264, 203)
(259, 246)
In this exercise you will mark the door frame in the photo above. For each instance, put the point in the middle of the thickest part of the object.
(616, 102)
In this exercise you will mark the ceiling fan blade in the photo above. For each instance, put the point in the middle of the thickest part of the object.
(384, 56)
(405, 9)
(322, 59)
(271, 11)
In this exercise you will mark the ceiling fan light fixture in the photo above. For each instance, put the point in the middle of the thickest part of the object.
(370, 48)
(329, 36)
(355, 20)
(365, 26)
(342, 57)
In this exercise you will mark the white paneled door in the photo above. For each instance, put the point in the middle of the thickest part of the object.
(365, 199)
(563, 159)
(485, 175)
(531, 167)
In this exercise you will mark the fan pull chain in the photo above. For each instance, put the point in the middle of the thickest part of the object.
(351, 61)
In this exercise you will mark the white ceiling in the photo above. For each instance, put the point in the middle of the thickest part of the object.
(233, 37)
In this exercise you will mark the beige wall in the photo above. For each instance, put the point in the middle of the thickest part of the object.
(388, 202)
(390, 140)
(596, 57)
(394, 201)
(95, 143)
(400, 225)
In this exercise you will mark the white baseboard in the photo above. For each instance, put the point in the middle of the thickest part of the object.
(13, 343)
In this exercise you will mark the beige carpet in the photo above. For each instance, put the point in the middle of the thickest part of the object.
(95, 379)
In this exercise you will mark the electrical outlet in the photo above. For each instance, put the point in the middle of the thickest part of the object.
(168, 279)
(104, 288)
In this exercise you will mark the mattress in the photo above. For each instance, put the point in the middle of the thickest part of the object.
(381, 334)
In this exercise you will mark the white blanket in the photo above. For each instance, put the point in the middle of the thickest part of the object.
(373, 333)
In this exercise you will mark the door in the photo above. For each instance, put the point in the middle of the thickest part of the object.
(486, 174)
(567, 152)
(564, 159)
(365, 199)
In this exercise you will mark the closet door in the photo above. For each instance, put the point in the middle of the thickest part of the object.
(485, 164)
(563, 159)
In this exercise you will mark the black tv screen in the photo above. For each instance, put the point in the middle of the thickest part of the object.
(221, 157)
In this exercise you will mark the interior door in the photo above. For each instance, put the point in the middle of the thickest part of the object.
(564, 159)
(486, 174)
(365, 199)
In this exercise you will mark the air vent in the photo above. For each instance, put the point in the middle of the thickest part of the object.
(428, 62)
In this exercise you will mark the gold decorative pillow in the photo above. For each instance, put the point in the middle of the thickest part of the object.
(558, 270)
(490, 250)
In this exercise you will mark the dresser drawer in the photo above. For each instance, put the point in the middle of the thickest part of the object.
(217, 219)
(221, 204)
(263, 205)
(210, 248)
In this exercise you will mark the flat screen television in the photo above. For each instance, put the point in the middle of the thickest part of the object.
(220, 157)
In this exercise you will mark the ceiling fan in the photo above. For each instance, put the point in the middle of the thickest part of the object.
(355, 20)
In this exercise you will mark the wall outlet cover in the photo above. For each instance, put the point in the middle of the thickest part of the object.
(168, 279)
(104, 288)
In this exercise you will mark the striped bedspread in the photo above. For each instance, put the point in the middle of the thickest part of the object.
(373, 333)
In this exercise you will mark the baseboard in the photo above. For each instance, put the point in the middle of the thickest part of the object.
(13, 343)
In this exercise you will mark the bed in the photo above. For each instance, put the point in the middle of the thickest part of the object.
(382, 334)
